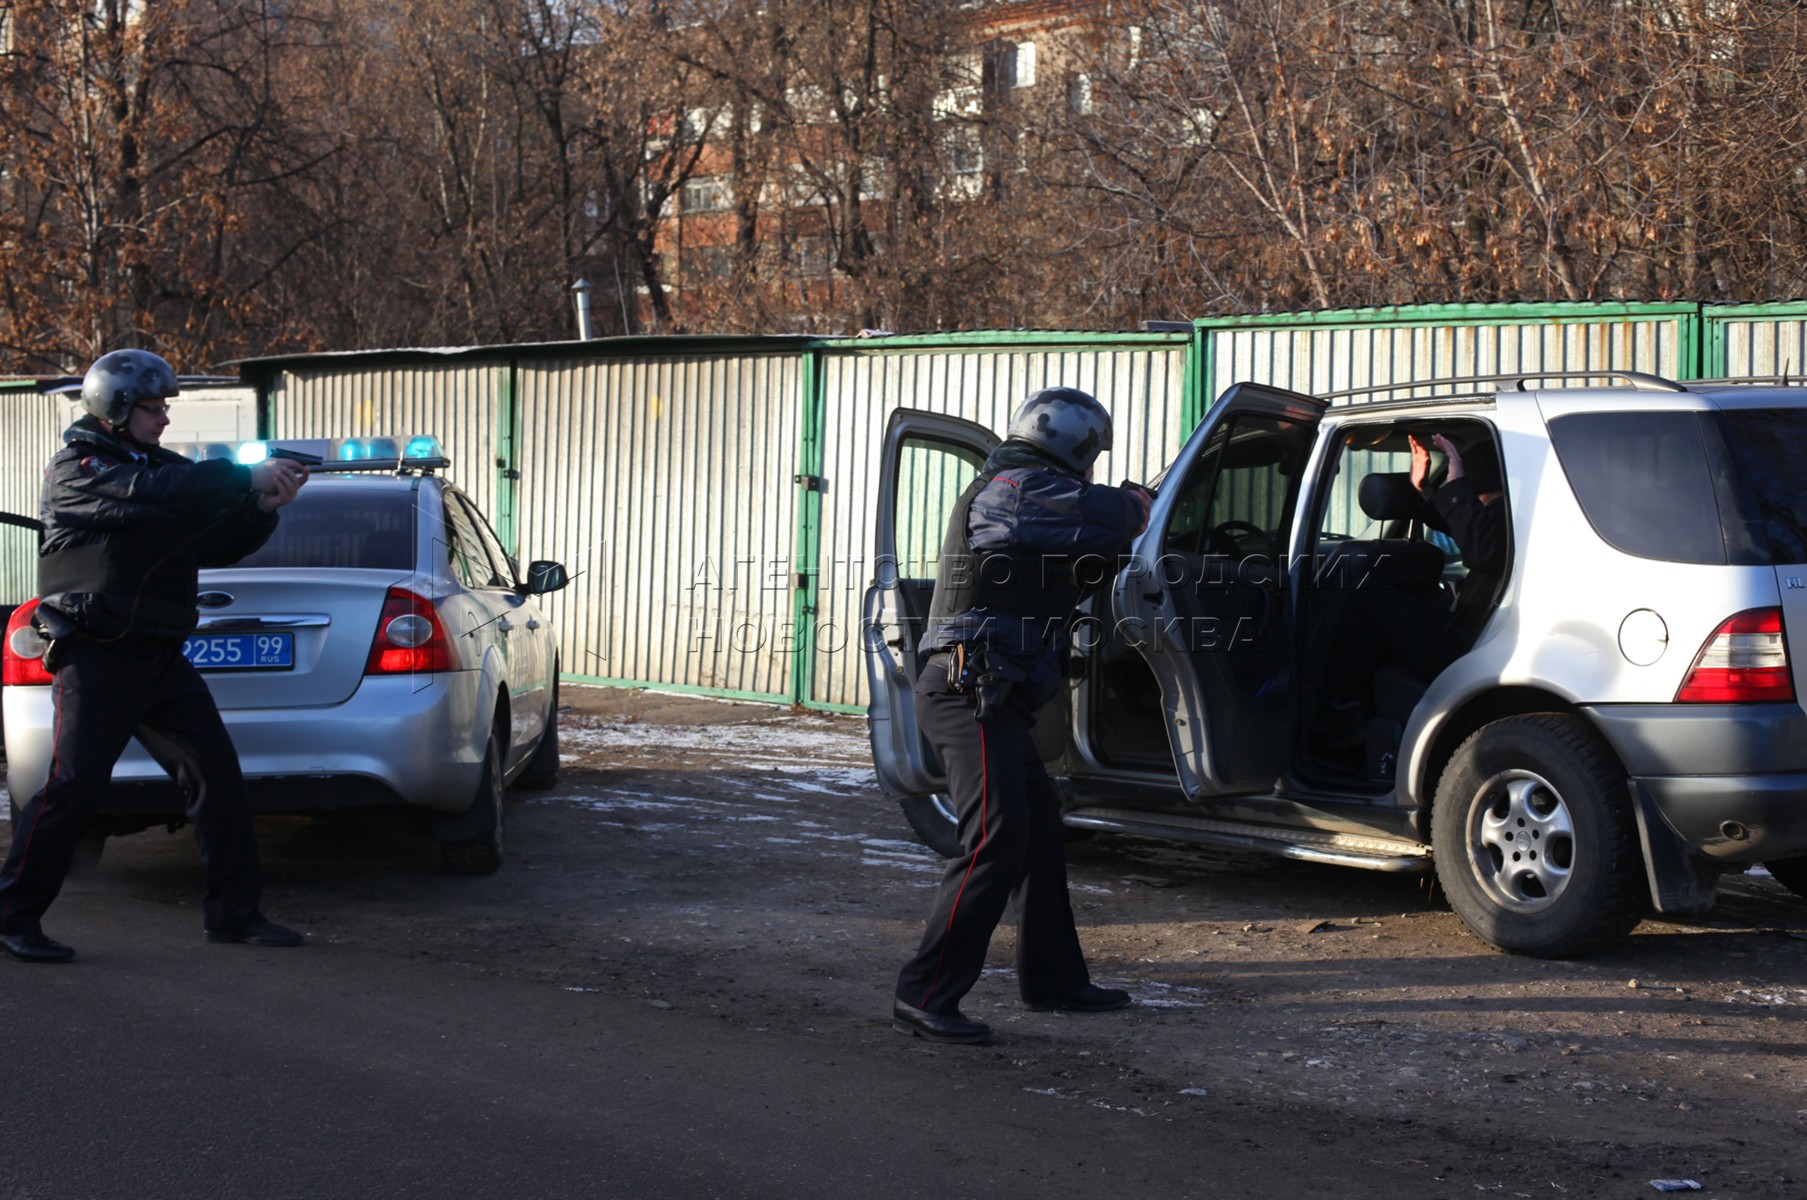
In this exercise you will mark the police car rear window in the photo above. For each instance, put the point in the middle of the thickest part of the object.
(331, 526)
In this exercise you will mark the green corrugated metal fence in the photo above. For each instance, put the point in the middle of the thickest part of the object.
(756, 459)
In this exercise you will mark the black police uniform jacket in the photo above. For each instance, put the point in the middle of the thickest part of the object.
(1026, 541)
(127, 529)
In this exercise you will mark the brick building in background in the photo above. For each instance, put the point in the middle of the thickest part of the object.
(846, 187)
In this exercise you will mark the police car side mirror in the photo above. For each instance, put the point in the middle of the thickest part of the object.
(544, 576)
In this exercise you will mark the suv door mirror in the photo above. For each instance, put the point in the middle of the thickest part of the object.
(544, 575)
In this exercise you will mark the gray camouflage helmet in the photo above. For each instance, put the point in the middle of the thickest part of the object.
(123, 378)
(1067, 423)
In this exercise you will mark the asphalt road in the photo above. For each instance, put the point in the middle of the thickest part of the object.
(160, 1066)
(677, 987)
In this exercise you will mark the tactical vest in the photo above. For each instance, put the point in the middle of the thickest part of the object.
(1008, 584)
(135, 566)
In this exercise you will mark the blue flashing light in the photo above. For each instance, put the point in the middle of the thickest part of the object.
(213, 450)
(252, 453)
(422, 446)
(384, 448)
(350, 451)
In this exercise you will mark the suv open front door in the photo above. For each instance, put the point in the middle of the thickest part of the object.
(1209, 604)
(927, 461)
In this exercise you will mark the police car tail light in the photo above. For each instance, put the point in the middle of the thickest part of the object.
(1745, 660)
(23, 654)
(410, 638)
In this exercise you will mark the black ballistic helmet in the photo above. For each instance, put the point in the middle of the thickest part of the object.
(123, 378)
(1067, 423)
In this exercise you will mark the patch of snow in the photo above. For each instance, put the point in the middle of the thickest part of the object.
(901, 864)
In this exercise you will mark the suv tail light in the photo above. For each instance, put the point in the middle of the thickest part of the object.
(1745, 660)
(23, 654)
(410, 638)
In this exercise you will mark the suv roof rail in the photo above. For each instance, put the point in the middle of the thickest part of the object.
(1639, 380)
(1798, 379)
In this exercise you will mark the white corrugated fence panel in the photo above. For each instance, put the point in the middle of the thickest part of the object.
(1318, 359)
(1765, 347)
(665, 487)
(456, 402)
(34, 433)
(1142, 386)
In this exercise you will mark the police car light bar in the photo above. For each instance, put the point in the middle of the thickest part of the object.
(419, 453)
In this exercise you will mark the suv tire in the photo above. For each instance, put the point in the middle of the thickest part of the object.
(1791, 873)
(481, 854)
(1535, 841)
(932, 817)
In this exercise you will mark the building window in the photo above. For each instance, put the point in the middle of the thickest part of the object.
(708, 264)
(813, 257)
(873, 175)
(808, 104)
(701, 124)
(708, 193)
(1079, 93)
(1009, 65)
(965, 152)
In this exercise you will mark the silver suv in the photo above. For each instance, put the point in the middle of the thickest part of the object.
(1615, 722)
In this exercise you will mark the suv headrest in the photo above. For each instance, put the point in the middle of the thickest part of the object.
(1390, 496)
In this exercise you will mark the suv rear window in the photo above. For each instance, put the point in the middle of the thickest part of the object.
(1693, 487)
(1768, 452)
(335, 526)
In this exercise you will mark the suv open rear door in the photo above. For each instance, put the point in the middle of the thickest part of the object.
(928, 460)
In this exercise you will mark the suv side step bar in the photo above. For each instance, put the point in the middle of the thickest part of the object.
(1375, 853)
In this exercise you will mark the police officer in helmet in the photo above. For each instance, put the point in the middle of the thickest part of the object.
(127, 524)
(1024, 543)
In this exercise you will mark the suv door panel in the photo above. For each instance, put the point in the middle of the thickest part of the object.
(927, 461)
(1210, 605)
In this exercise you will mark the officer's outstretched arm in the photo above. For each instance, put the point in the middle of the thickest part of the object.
(92, 492)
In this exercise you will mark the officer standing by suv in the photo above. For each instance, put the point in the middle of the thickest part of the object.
(127, 524)
(1022, 545)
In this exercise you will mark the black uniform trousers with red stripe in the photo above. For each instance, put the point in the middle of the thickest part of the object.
(104, 694)
(1013, 854)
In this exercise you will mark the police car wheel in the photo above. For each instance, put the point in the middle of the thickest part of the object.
(482, 853)
(932, 817)
(1791, 873)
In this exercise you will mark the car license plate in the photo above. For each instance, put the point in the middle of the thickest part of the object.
(241, 651)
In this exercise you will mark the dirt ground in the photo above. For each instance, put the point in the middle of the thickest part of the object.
(737, 860)
(751, 864)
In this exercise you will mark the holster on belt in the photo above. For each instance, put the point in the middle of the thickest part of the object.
(56, 630)
(993, 691)
(972, 673)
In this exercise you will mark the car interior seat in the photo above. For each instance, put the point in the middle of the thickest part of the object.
(1401, 563)
(1408, 563)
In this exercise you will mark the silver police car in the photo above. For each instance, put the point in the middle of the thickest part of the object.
(1612, 721)
(382, 649)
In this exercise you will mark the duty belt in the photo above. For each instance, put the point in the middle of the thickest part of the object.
(970, 674)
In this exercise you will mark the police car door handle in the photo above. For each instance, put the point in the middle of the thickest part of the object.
(502, 625)
(532, 624)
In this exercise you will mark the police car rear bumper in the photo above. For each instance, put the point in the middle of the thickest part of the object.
(401, 740)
